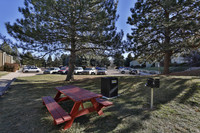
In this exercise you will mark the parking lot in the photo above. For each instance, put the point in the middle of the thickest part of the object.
(111, 72)
(115, 72)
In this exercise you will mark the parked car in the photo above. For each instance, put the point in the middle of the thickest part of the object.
(63, 70)
(134, 72)
(31, 69)
(118, 67)
(51, 70)
(90, 71)
(27, 67)
(102, 71)
(98, 68)
(78, 70)
(124, 70)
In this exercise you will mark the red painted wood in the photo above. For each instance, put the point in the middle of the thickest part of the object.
(62, 99)
(57, 118)
(60, 110)
(58, 114)
(73, 114)
(77, 94)
(104, 102)
(85, 111)
(57, 96)
(97, 106)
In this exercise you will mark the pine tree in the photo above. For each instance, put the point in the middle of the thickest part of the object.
(128, 59)
(162, 28)
(51, 26)
(118, 59)
(105, 62)
(56, 62)
(6, 48)
(49, 61)
(27, 59)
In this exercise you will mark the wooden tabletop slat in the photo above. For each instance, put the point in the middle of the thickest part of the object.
(76, 93)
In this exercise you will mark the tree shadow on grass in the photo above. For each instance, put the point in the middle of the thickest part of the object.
(134, 99)
(188, 94)
(169, 89)
(126, 115)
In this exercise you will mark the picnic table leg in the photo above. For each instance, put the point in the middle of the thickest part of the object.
(73, 114)
(57, 96)
(59, 99)
(97, 107)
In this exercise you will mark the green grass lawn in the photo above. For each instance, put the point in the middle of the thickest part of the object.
(2, 73)
(176, 107)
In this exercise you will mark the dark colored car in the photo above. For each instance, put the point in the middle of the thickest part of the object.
(134, 72)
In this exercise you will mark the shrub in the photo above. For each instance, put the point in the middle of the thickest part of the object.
(11, 67)
(2, 68)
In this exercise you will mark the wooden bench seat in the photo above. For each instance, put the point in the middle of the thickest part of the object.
(56, 111)
(104, 102)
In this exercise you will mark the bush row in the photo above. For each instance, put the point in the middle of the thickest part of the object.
(11, 67)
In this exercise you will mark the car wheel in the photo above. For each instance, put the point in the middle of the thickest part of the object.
(26, 71)
(122, 72)
(37, 71)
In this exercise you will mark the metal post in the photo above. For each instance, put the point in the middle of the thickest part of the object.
(151, 98)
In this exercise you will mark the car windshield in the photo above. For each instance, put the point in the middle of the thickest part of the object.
(63, 68)
(51, 69)
(88, 68)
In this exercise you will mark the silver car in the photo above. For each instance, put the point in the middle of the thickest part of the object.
(51, 70)
(31, 69)
(90, 71)
(102, 71)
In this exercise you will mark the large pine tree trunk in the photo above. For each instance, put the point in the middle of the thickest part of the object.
(167, 61)
(168, 53)
(70, 74)
(72, 59)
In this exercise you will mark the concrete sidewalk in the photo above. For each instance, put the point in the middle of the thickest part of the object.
(6, 80)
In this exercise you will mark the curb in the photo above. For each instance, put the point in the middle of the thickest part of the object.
(7, 87)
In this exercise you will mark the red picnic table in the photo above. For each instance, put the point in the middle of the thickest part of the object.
(78, 95)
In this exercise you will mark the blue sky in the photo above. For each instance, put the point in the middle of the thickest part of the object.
(9, 13)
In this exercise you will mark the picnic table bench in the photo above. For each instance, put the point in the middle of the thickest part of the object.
(78, 96)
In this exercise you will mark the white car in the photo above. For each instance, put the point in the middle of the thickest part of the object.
(78, 70)
(51, 70)
(102, 71)
(32, 69)
(90, 71)
(124, 70)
